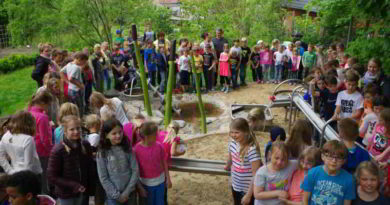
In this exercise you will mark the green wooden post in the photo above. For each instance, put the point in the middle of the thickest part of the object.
(199, 95)
(171, 83)
(140, 61)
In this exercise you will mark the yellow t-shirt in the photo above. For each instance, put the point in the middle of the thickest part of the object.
(199, 63)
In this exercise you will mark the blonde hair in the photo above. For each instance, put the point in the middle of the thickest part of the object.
(242, 125)
(67, 119)
(255, 115)
(67, 109)
(22, 123)
(92, 121)
(369, 166)
(281, 147)
(313, 154)
(300, 134)
(97, 100)
(173, 129)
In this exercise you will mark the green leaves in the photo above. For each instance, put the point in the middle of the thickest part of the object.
(15, 62)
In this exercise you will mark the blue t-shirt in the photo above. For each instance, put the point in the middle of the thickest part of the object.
(150, 58)
(355, 156)
(326, 189)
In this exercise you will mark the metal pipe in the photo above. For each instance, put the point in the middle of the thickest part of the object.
(323, 130)
(291, 104)
(284, 82)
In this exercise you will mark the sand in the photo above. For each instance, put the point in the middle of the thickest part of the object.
(190, 188)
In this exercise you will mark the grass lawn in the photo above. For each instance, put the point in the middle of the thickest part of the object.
(16, 89)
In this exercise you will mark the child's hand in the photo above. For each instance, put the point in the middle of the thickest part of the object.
(382, 165)
(123, 199)
(379, 157)
(79, 189)
(282, 195)
(246, 199)
(316, 93)
(227, 167)
(142, 192)
(169, 183)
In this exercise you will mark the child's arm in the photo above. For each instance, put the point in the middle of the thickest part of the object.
(174, 151)
(288, 202)
(357, 114)
(306, 196)
(336, 113)
(347, 202)
(383, 154)
(260, 194)
(228, 163)
(79, 84)
(247, 197)
(167, 176)
(134, 177)
(103, 174)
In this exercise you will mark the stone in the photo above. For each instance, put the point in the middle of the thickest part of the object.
(181, 123)
(210, 119)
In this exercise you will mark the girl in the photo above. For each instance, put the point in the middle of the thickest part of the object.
(266, 61)
(153, 167)
(256, 119)
(65, 110)
(367, 177)
(70, 166)
(244, 160)
(18, 144)
(271, 180)
(38, 107)
(373, 73)
(379, 144)
(116, 165)
(308, 159)
(224, 68)
(295, 64)
(255, 64)
(42, 63)
(52, 86)
(300, 138)
(108, 107)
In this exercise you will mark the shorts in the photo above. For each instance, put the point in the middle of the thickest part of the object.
(184, 77)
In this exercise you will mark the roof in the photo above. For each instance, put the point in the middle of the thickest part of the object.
(297, 4)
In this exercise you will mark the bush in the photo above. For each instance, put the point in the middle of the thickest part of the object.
(16, 61)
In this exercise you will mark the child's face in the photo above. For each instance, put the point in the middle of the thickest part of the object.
(333, 161)
(317, 75)
(279, 159)
(372, 67)
(17, 198)
(73, 130)
(226, 49)
(281, 49)
(368, 97)
(150, 45)
(306, 164)
(351, 86)
(161, 50)
(115, 135)
(378, 109)
(310, 48)
(368, 182)
(244, 43)
(321, 84)
(80, 63)
(332, 88)
(236, 43)
(238, 136)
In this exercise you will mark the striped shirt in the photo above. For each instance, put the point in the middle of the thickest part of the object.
(241, 172)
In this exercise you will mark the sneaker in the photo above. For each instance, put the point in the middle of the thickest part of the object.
(227, 90)
(258, 82)
(223, 89)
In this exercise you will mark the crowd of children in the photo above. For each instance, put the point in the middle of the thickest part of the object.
(123, 159)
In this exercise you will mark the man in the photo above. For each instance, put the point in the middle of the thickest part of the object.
(218, 42)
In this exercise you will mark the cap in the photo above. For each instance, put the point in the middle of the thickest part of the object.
(118, 31)
(276, 132)
(243, 39)
(260, 41)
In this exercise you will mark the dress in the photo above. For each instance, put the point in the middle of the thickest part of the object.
(224, 69)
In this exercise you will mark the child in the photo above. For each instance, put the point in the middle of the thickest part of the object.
(367, 177)
(209, 63)
(116, 164)
(300, 138)
(295, 60)
(369, 121)
(150, 62)
(244, 160)
(93, 124)
(309, 60)
(108, 108)
(349, 102)
(329, 183)
(74, 79)
(154, 175)
(234, 60)
(42, 63)
(271, 180)
(198, 66)
(38, 107)
(224, 68)
(256, 119)
(162, 64)
(379, 143)
(265, 62)
(184, 63)
(348, 132)
(277, 134)
(255, 65)
(70, 167)
(330, 98)
(245, 53)
(309, 158)
(373, 72)
(65, 110)
(278, 58)
(18, 144)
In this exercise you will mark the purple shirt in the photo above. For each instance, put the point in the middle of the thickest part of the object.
(43, 135)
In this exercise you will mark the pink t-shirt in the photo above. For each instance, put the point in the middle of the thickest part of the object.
(295, 192)
(379, 142)
(149, 159)
(265, 57)
(128, 131)
(167, 145)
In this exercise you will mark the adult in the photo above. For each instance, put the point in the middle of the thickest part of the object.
(108, 108)
(42, 63)
(162, 42)
(206, 41)
(218, 43)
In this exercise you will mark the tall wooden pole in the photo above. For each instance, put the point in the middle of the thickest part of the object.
(199, 95)
(171, 83)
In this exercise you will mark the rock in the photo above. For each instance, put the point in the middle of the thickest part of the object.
(210, 120)
(157, 113)
(181, 123)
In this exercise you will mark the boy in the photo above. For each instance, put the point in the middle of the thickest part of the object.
(245, 53)
(93, 124)
(349, 134)
(197, 72)
(184, 63)
(369, 121)
(329, 98)
(309, 59)
(329, 184)
(23, 189)
(76, 87)
(209, 62)
(349, 102)
(150, 62)
(162, 63)
(276, 134)
(278, 58)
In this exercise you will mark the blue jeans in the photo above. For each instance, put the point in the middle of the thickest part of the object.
(76, 97)
(278, 72)
(107, 79)
(132, 200)
(155, 195)
(242, 73)
(234, 75)
(152, 77)
(163, 81)
(72, 201)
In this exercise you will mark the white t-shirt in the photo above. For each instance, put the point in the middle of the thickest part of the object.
(72, 71)
(119, 114)
(278, 58)
(369, 122)
(184, 63)
(349, 103)
(288, 53)
(93, 139)
(236, 49)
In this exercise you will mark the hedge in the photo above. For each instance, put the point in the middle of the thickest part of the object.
(16, 62)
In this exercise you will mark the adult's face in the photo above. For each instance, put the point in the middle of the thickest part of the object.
(218, 34)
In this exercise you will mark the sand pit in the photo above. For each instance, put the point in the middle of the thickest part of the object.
(189, 188)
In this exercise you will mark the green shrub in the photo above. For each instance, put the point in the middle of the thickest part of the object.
(16, 61)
